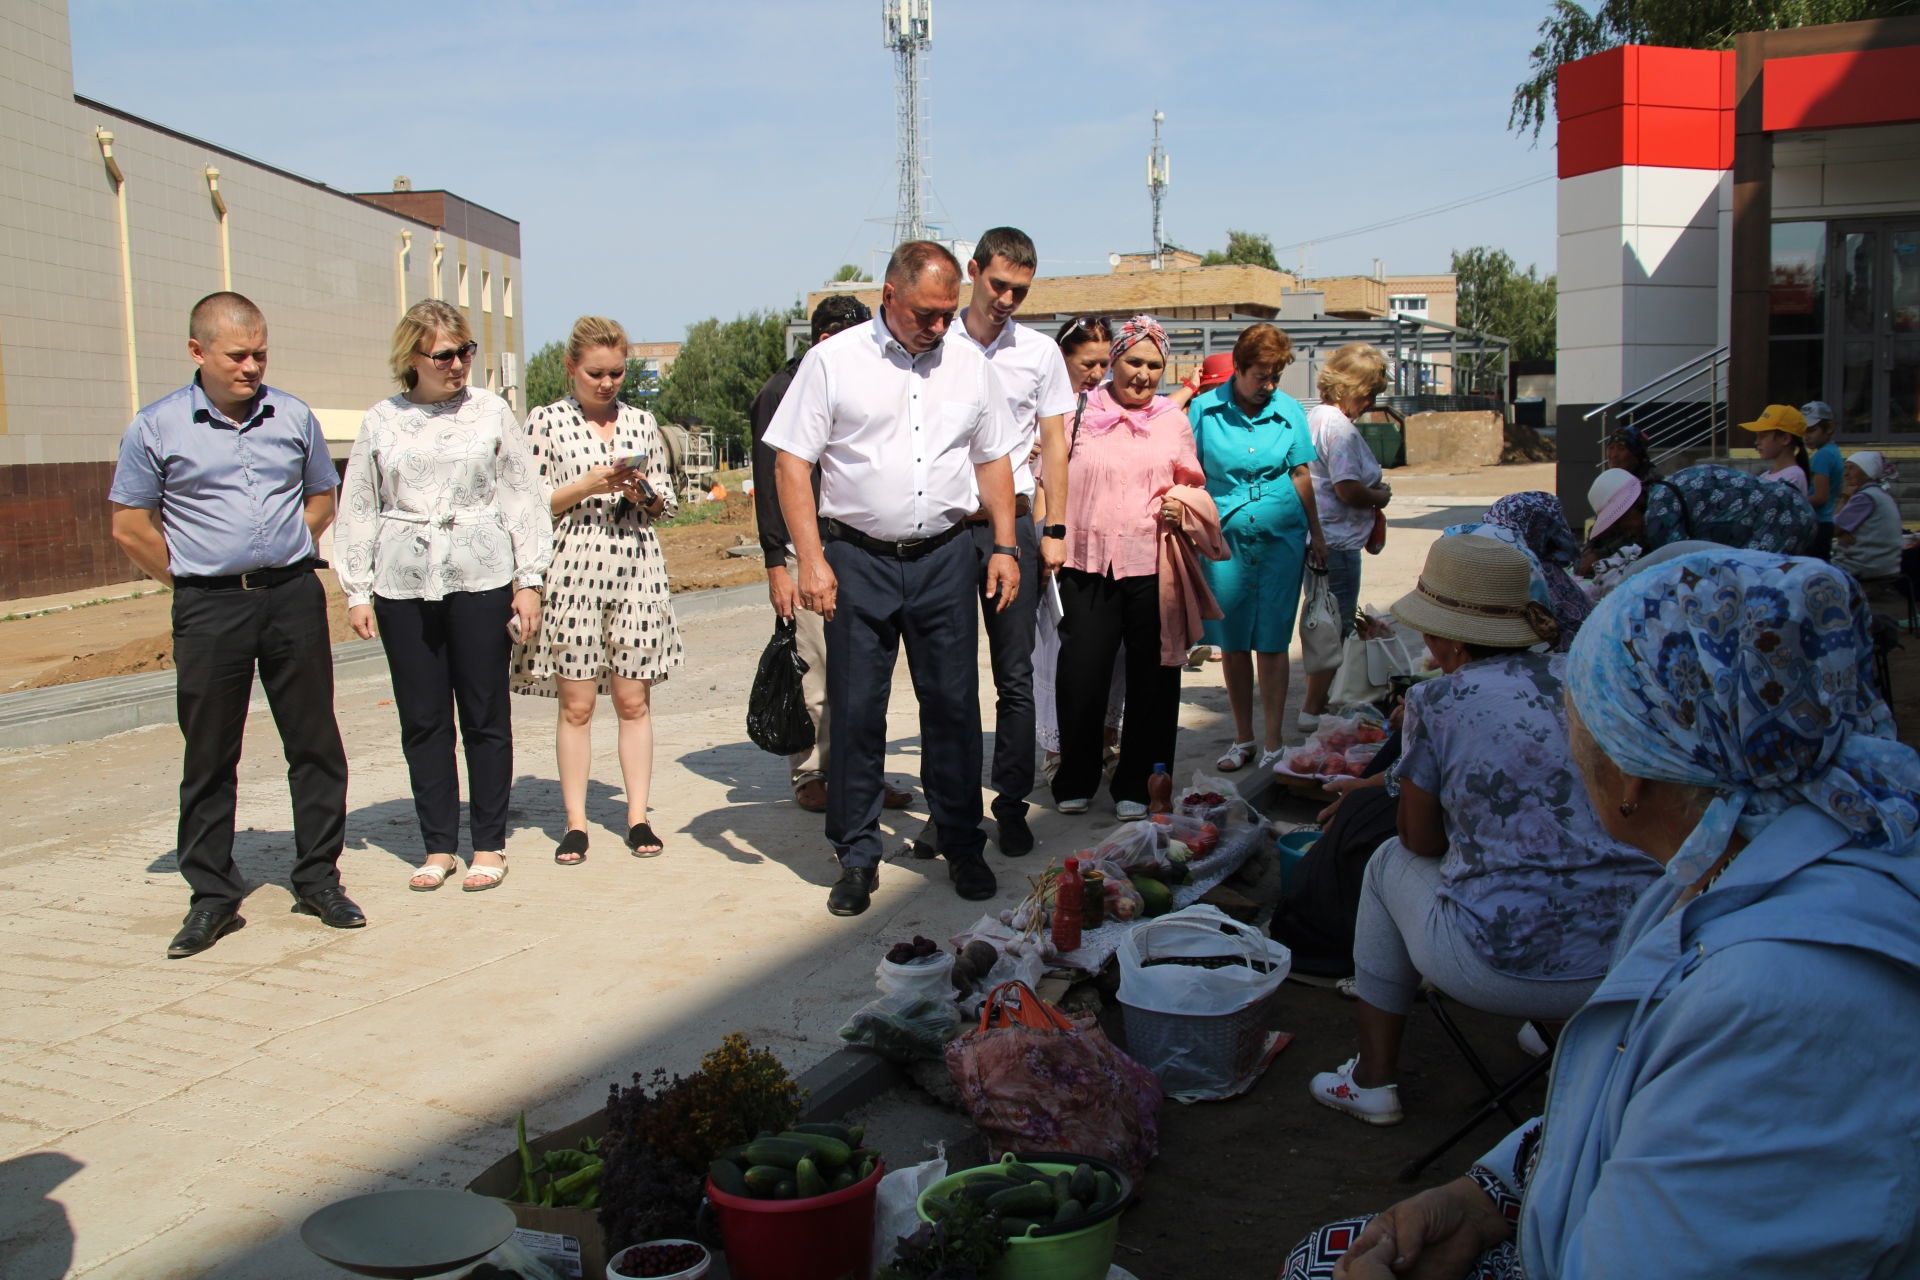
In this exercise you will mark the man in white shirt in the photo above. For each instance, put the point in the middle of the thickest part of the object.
(911, 435)
(1039, 396)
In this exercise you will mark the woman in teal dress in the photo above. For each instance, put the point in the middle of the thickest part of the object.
(1254, 446)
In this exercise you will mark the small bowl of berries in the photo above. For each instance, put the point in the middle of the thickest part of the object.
(661, 1260)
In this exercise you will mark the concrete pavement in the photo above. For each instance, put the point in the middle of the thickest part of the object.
(180, 1118)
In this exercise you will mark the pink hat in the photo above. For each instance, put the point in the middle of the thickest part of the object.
(1611, 496)
(1216, 369)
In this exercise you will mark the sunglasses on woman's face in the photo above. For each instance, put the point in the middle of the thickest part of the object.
(445, 359)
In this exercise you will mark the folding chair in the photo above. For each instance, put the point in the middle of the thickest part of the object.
(1499, 1096)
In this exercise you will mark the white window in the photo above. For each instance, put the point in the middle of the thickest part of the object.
(506, 296)
(462, 295)
(486, 292)
(1408, 303)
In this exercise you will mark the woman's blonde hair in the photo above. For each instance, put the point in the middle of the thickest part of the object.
(1357, 369)
(595, 331)
(422, 320)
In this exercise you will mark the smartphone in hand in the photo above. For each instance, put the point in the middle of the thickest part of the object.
(515, 631)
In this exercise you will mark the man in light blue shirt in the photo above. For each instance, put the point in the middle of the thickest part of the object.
(222, 491)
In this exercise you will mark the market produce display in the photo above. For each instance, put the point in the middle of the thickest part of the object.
(1338, 748)
(1026, 1200)
(801, 1163)
(568, 1178)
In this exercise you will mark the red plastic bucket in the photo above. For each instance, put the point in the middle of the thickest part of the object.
(828, 1237)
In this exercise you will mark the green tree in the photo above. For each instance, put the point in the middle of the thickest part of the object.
(719, 371)
(546, 376)
(848, 273)
(1570, 31)
(1495, 297)
(1244, 249)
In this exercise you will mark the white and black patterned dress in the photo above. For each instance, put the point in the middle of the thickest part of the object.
(608, 611)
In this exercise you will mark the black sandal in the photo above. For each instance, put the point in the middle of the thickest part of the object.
(642, 842)
(574, 842)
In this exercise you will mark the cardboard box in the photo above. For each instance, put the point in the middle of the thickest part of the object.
(502, 1178)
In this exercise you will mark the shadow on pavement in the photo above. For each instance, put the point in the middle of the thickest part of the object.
(38, 1244)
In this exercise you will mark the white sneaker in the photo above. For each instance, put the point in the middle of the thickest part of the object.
(1336, 1089)
(1531, 1041)
(1306, 723)
(1072, 806)
(1129, 810)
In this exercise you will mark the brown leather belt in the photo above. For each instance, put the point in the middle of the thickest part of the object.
(1022, 506)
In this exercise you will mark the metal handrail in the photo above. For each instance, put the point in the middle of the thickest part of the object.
(1689, 393)
(1680, 372)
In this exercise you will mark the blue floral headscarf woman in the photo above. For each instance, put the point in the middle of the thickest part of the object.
(1536, 523)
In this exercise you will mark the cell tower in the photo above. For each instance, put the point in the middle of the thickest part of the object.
(1159, 178)
(909, 33)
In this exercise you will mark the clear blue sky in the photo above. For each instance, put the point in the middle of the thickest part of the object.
(673, 161)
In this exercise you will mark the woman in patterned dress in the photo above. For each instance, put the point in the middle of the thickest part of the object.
(443, 542)
(610, 626)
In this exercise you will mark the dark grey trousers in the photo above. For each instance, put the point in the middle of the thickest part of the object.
(1010, 636)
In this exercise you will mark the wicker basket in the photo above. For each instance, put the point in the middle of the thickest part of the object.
(1195, 989)
(1189, 1052)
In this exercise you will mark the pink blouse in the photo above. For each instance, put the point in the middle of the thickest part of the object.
(1115, 480)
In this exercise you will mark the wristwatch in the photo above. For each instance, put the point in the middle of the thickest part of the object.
(1054, 531)
(1007, 551)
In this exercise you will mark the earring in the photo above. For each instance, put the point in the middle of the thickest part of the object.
(1628, 808)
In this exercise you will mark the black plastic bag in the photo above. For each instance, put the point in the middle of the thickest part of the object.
(777, 718)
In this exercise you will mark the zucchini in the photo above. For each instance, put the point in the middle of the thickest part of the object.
(1029, 1201)
(780, 1152)
(761, 1179)
(807, 1180)
(828, 1153)
(728, 1177)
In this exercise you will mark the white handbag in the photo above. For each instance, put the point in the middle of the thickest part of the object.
(1319, 624)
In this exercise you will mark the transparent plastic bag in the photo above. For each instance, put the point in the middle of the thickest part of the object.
(931, 976)
(904, 1026)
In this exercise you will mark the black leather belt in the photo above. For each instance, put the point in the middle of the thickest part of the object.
(1022, 506)
(254, 579)
(835, 531)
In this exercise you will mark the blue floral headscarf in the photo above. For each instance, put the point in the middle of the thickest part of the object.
(1536, 523)
(1751, 675)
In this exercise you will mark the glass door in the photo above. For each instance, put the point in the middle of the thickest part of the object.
(1873, 376)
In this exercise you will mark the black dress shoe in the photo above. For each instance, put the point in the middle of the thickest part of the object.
(852, 891)
(334, 907)
(972, 878)
(926, 845)
(200, 930)
(1016, 837)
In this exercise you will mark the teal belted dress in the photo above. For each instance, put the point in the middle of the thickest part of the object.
(1248, 462)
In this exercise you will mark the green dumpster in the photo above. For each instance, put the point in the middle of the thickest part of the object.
(1388, 442)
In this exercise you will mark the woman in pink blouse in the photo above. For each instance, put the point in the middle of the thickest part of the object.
(1131, 446)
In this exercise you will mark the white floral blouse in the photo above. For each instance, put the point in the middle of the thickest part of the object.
(441, 498)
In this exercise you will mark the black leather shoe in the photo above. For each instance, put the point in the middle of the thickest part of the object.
(925, 846)
(852, 891)
(334, 907)
(972, 878)
(200, 930)
(1016, 837)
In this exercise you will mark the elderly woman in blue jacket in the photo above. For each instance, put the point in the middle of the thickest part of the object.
(1735, 1099)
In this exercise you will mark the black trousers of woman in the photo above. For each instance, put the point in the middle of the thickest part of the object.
(1098, 613)
(446, 654)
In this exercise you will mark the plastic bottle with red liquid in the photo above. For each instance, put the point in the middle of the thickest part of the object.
(1160, 790)
(1068, 903)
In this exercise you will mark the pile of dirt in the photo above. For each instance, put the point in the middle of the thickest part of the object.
(1524, 444)
(696, 546)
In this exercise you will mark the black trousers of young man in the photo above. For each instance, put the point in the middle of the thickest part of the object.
(927, 604)
(1010, 637)
(1097, 614)
(220, 635)
(446, 654)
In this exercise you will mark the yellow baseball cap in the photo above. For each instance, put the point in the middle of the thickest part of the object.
(1779, 417)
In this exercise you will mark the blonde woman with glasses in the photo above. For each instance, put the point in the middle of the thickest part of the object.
(443, 546)
(610, 627)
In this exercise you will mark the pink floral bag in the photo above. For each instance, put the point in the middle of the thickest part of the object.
(1034, 1079)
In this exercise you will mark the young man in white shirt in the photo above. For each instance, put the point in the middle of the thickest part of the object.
(911, 435)
(1039, 396)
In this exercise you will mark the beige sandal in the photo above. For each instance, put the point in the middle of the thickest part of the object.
(439, 873)
(491, 875)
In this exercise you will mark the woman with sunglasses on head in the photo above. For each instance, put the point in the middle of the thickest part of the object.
(443, 545)
(609, 624)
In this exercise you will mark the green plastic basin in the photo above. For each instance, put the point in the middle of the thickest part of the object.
(1085, 1253)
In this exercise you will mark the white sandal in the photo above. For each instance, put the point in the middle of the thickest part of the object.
(439, 873)
(1237, 756)
(492, 875)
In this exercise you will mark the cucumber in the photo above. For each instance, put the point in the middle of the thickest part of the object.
(939, 1207)
(786, 1190)
(1083, 1186)
(1014, 1227)
(728, 1177)
(841, 1180)
(1062, 1187)
(807, 1180)
(776, 1151)
(856, 1135)
(1030, 1201)
(1069, 1210)
(978, 1189)
(761, 1179)
(829, 1153)
(838, 1132)
(1022, 1172)
(1106, 1188)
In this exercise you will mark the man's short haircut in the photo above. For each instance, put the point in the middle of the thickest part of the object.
(1011, 243)
(840, 311)
(914, 257)
(224, 307)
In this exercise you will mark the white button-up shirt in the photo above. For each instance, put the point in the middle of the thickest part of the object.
(1034, 375)
(896, 436)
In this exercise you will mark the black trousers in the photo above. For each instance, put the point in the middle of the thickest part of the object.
(1010, 637)
(929, 604)
(445, 654)
(1097, 614)
(219, 637)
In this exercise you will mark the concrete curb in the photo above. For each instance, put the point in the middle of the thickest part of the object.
(92, 709)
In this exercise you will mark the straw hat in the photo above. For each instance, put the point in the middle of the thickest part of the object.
(1478, 591)
(1611, 495)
